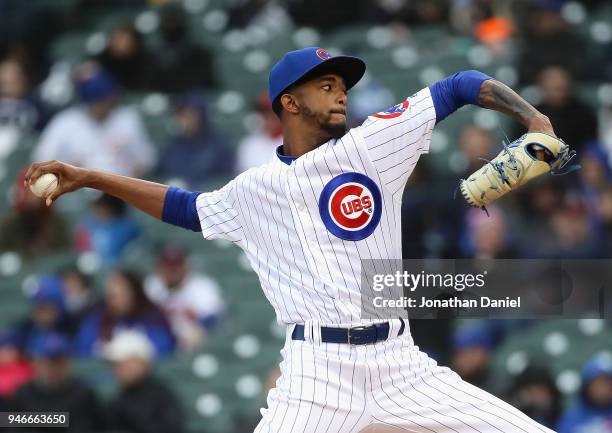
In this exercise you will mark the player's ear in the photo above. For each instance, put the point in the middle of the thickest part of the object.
(290, 103)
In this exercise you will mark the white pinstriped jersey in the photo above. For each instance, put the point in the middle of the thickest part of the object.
(306, 226)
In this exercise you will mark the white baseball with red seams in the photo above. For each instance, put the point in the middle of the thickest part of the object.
(305, 227)
(44, 184)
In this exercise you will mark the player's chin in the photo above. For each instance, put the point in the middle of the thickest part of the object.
(335, 129)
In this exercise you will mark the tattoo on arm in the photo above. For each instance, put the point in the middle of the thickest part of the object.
(497, 96)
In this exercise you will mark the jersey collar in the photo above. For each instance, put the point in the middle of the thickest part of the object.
(284, 158)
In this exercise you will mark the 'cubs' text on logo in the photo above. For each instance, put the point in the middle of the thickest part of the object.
(323, 54)
(394, 111)
(350, 206)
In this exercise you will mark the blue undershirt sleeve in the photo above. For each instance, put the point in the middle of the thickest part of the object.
(455, 91)
(180, 209)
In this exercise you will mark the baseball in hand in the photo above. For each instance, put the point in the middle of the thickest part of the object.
(44, 184)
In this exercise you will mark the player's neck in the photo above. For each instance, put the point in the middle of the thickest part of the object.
(299, 141)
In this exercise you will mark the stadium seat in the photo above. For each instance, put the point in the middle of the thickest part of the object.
(561, 345)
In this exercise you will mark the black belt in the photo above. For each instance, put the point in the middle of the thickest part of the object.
(356, 335)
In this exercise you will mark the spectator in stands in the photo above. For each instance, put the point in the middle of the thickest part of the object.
(488, 236)
(15, 370)
(536, 204)
(125, 306)
(449, 229)
(593, 410)
(550, 41)
(107, 230)
(259, 146)
(489, 22)
(196, 153)
(475, 143)
(535, 394)
(595, 174)
(574, 232)
(575, 122)
(413, 13)
(98, 133)
(595, 177)
(192, 300)
(495, 31)
(19, 107)
(326, 15)
(144, 404)
(55, 389)
(30, 228)
(471, 356)
(604, 210)
(266, 14)
(435, 226)
(182, 65)
(440, 223)
(25, 35)
(79, 297)
(127, 59)
(435, 221)
(47, 314)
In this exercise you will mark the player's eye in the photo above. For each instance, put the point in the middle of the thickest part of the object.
(327, 87)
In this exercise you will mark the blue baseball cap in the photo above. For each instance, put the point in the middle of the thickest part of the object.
(472, 336)
(49, 345)
(49, 291)
(597, 366)
(96, 86)
(9, 337)
(296, 64)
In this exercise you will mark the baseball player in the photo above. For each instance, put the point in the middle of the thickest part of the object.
(328, 199)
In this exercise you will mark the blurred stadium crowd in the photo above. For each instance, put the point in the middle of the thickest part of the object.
(137, 327)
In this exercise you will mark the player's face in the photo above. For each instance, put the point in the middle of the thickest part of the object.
(323, 102)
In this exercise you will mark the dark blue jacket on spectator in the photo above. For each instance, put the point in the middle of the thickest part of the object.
(195, 160)
(26, 114)
(91, 337)
(584, 415)
(107, 238)
(107, 230)
(195, 153)
(48, 314)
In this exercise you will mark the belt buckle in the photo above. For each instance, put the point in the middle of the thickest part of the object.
(351, 336)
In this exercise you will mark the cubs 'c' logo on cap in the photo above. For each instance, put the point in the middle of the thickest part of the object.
(350, 206)
(394, 111)
(323, 54)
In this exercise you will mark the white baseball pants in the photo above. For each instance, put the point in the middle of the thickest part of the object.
(342, 388)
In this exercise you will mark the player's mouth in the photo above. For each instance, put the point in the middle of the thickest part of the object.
(340, 112)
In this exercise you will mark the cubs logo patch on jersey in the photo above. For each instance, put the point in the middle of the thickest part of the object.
(393, 112)
(350, 206)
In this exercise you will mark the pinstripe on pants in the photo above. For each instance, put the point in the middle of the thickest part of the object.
(338, 388)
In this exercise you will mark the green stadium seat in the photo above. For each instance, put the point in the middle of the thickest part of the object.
(97, 373)
(70, 47)
(558, 344)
